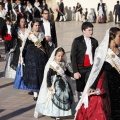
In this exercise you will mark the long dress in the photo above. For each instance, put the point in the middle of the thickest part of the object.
(105, 106)
(61, 101)
(35, 60)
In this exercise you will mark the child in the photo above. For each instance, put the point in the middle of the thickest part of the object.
(55, 96)
(7, 35)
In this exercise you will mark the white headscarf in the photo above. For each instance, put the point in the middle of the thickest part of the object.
(44, 90)
(100, 56)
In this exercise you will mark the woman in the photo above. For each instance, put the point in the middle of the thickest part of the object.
(37, 9)
(13, 12)
(35, 59)
(92, 16)
(19, 35)
(78, 12)
(104, 101)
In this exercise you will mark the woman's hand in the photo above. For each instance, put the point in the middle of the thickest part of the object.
(90, 91)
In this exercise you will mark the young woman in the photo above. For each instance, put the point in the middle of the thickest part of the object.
(104, 101)
(55, 96)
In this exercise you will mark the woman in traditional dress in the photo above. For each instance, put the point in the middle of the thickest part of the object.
(92, 16)
(35, 59)
(103, 102)
(37, 9)
(55, 96)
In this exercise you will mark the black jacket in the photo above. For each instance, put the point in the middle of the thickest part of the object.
(78, 51)
(53, 31)
(117, 9)
(61, 7)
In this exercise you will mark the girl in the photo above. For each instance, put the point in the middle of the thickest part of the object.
(55, 96)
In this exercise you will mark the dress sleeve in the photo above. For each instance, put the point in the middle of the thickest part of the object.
(49, 74)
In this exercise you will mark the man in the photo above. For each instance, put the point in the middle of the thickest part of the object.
(116, 11)
(101, 11)
(82, 55)
(48, 27)
(61, 11)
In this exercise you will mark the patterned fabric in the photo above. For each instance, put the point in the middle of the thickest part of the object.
(99, 106)
(35, 61)
(63, 94)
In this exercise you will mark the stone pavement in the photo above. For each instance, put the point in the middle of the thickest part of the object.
(17, 104)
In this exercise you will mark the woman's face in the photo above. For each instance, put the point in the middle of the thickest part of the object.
(22, 23)
(117, 38)
(36, 26)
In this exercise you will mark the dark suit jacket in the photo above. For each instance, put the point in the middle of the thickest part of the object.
(44, 6)
(78, 51)
(61, 7)
(53, 31)
(117, 9)
(103, 7)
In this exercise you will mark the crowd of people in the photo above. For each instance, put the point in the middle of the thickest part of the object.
(38, 65)
(82, 14)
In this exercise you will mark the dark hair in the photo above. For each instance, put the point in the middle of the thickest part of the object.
(34, 21)
(85, 25)
(60, 49)
(18, 20)
(117, 2)
(113, 32)
(44, 10)
(8, 19)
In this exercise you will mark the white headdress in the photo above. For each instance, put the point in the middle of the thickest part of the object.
(44, 90)
(100, 56)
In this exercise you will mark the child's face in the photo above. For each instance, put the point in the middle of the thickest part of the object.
(59, 56)
(8, 22)
(88, 32)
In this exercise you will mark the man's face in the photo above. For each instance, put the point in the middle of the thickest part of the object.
(88, 32)
(45, 14)
(101, 0)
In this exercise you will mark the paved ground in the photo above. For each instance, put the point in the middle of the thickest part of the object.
(17, 104)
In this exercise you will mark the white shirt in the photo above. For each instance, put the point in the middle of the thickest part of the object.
(9, 29)
(89, 48)
(6, 7)
(46, 25)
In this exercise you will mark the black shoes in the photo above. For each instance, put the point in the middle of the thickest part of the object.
(35, 98)
(30, 93)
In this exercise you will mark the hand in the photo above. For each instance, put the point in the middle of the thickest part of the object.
(90, 91)
(77, 75)
(50, 88)
(47, 38)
